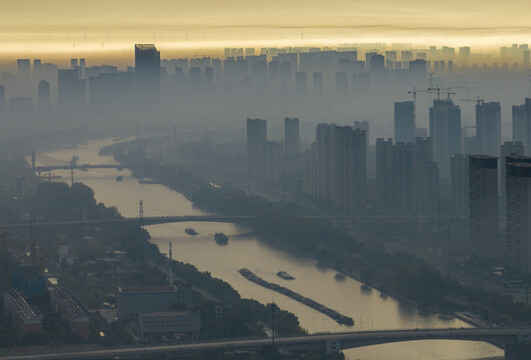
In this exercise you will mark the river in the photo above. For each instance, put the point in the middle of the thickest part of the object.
(368, 309)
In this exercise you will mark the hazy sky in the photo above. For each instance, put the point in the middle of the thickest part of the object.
(34, 26)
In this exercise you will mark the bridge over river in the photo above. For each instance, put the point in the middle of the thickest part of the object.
(507, 339)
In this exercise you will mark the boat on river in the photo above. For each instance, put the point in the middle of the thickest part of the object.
(340, 277)
(119, 178)
(190, 231)
(284, 275)
(221, 239)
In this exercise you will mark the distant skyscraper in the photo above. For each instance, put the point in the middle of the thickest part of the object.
(291, 136)
(519, 216)
(274, 157)
(349, 170)
(488, 128)
(404, 121)
(522, 125)
(37, 70)
(483, 176)
(301, 83)
(147, 70)
(445, 133)
(44, 97)
(317, 83)
(341, 83)
(71, 91)
(256, 147)
(23, 77)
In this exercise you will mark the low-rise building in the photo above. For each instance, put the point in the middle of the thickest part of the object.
(168, 323)
(24, 318)
(147, 299)
(71, 312)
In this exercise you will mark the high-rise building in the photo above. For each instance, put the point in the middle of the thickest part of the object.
(507, 149)
(324, 152)
(256, 147)
(71, 91)
(363, 126)
(274, 161)
(23, 77)
(291, 136)
(483, 175)
(522, 125)
(519, 216)
(425, 179)
(44, 97)
(301, 83)
(445, 133)
(349, 170)
(460, 186)
(384, 176)
(147, 70)
(404, 121)
(488, 128)
(317, 83)
(403, 172)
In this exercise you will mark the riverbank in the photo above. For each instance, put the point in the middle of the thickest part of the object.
(404, 276)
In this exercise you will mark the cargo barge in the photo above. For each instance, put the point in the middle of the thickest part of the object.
(340, 319)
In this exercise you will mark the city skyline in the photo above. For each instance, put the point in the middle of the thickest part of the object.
(103, 29)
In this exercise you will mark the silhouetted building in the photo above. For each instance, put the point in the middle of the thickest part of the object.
(445, 133)
(483, 174)
(460, 185)
(522, 125)
(512, 149)
(519, 216)
(291, 136)
(23, 77)
(349, 170)
(71, 92)
(274, 165)
(44, 98)
(488, 128)
(324, 152)
(317, 83)
(256, 147)
(144, 299)
(384, 176)
(363, 126)
(404, 121)
(301, 83)
(147, 70)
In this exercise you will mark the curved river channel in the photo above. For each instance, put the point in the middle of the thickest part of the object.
(367, 308)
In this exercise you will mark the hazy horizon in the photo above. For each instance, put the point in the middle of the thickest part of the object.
(102, 29)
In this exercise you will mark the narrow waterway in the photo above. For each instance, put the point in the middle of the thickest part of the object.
(368, 308)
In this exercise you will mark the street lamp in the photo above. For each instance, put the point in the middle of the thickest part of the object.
(102, 335)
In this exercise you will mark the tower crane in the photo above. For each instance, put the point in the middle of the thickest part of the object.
(437, 89)
(478, 101)
(415, 92)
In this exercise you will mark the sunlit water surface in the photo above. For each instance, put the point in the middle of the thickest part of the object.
(368, 309)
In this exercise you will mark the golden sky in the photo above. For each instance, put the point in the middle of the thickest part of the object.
(81, 26)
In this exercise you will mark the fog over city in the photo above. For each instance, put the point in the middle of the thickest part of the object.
(282, 180)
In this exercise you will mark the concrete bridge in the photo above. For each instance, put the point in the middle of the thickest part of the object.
(82, 167)
(506, 339)
(150, 220)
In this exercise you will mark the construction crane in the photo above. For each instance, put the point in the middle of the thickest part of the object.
(437, 89)
(415, 92)
(478, 101)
